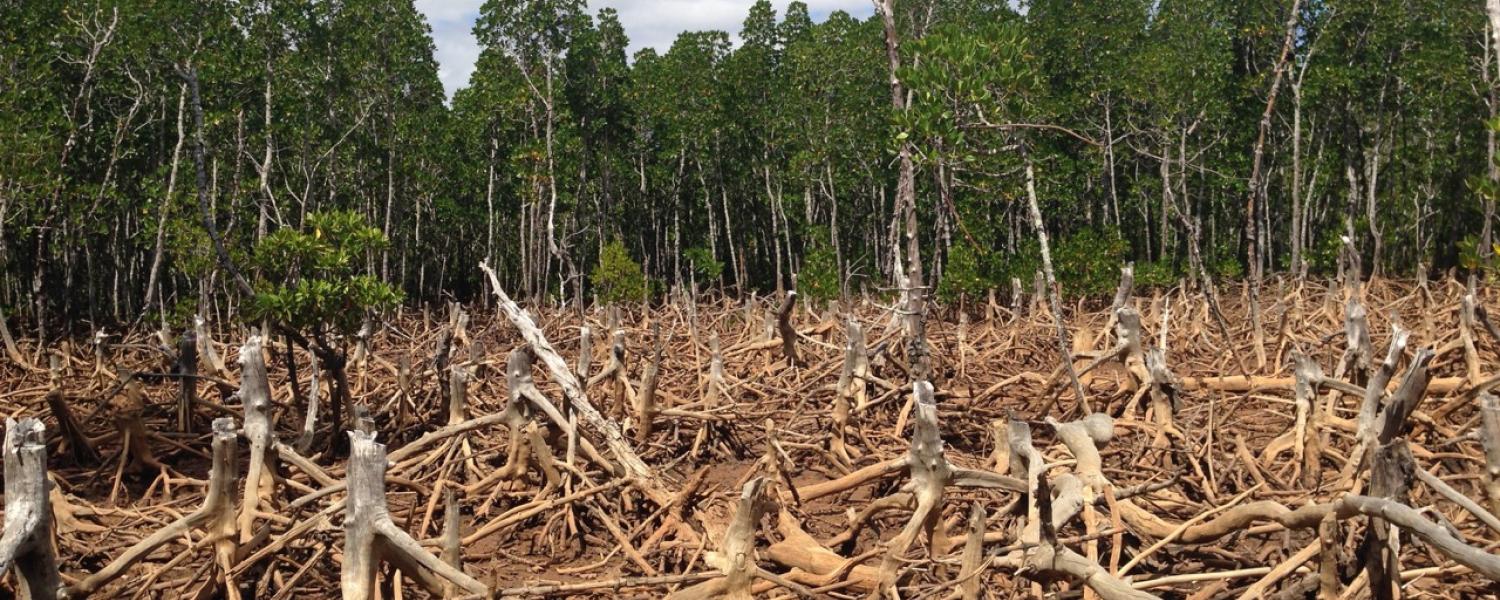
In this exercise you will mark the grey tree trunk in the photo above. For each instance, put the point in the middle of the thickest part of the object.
(906, 200)
(165, 206)
(1063, 345)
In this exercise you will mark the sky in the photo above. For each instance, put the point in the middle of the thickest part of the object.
(648, 23)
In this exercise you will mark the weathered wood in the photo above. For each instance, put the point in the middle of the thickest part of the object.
(853, 392)
(1390, 479)
(206, 349)
(27, 543)
(1330, 556)
(971, 569)
(216, 517)
(1359, 351)
(310, 417)
(578, 399)
(1489, 434)
(1045, 557)
(646, 408)
(1435, 536)
(458, 394)
(1309, 376)
(786, 331)
(452, 536)
(260, 430)
(370, 536)
(79, 445)
(1467, 322)
(735, 557)
(187, 367)
(11, 350)
(1375, 388)
(930, 474)
(1404, 401)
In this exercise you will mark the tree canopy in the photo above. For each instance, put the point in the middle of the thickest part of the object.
(740, 162)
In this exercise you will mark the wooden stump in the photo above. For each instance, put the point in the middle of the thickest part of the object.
(1489, 432)
(27, 543)
(371, 537)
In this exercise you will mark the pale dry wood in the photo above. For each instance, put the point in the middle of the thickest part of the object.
(27, 546)
(260, 430)
(370, 536)
(648, 480)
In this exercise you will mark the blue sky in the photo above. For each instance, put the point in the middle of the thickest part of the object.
(653, 23)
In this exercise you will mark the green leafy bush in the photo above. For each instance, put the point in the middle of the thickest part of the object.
(617, 277)
(705, 266)
(310, 280)
(819, 278)
(1323, 257)
(963, 275)
(1086, 262)
(1226, 266)
(1154, 274)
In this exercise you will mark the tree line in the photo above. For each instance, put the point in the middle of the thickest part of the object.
(1196, 137)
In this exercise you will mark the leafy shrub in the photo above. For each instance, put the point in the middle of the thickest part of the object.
(618, 277)
(705, 266)
(1323, 257)
(819, 278)
(1086, 263)
(1470, 257)
(1226, 266)
(963, 275)
(310, 279)
(1155, 274)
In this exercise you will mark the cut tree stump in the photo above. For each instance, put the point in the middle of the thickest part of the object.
(370, 536)
(1489, 433)
(187, 370)
(260, 430)
(27, 543)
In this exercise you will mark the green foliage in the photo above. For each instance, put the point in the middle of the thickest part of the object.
(1086, 263)
(617, 277)
(310, 279)
(785, 140)
(1470, 256)
(1323, 257)
(1226, 266)
(705, 267)
(963, 275)
(819, 278)
(1158, 274)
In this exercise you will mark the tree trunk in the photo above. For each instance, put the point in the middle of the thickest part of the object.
(370, 536)
(165, 208)
(1256, 195)
(906, 200)
(1063, 345)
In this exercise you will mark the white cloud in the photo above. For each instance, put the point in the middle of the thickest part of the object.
(452, 24)
(656, 23)
(648, 23)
